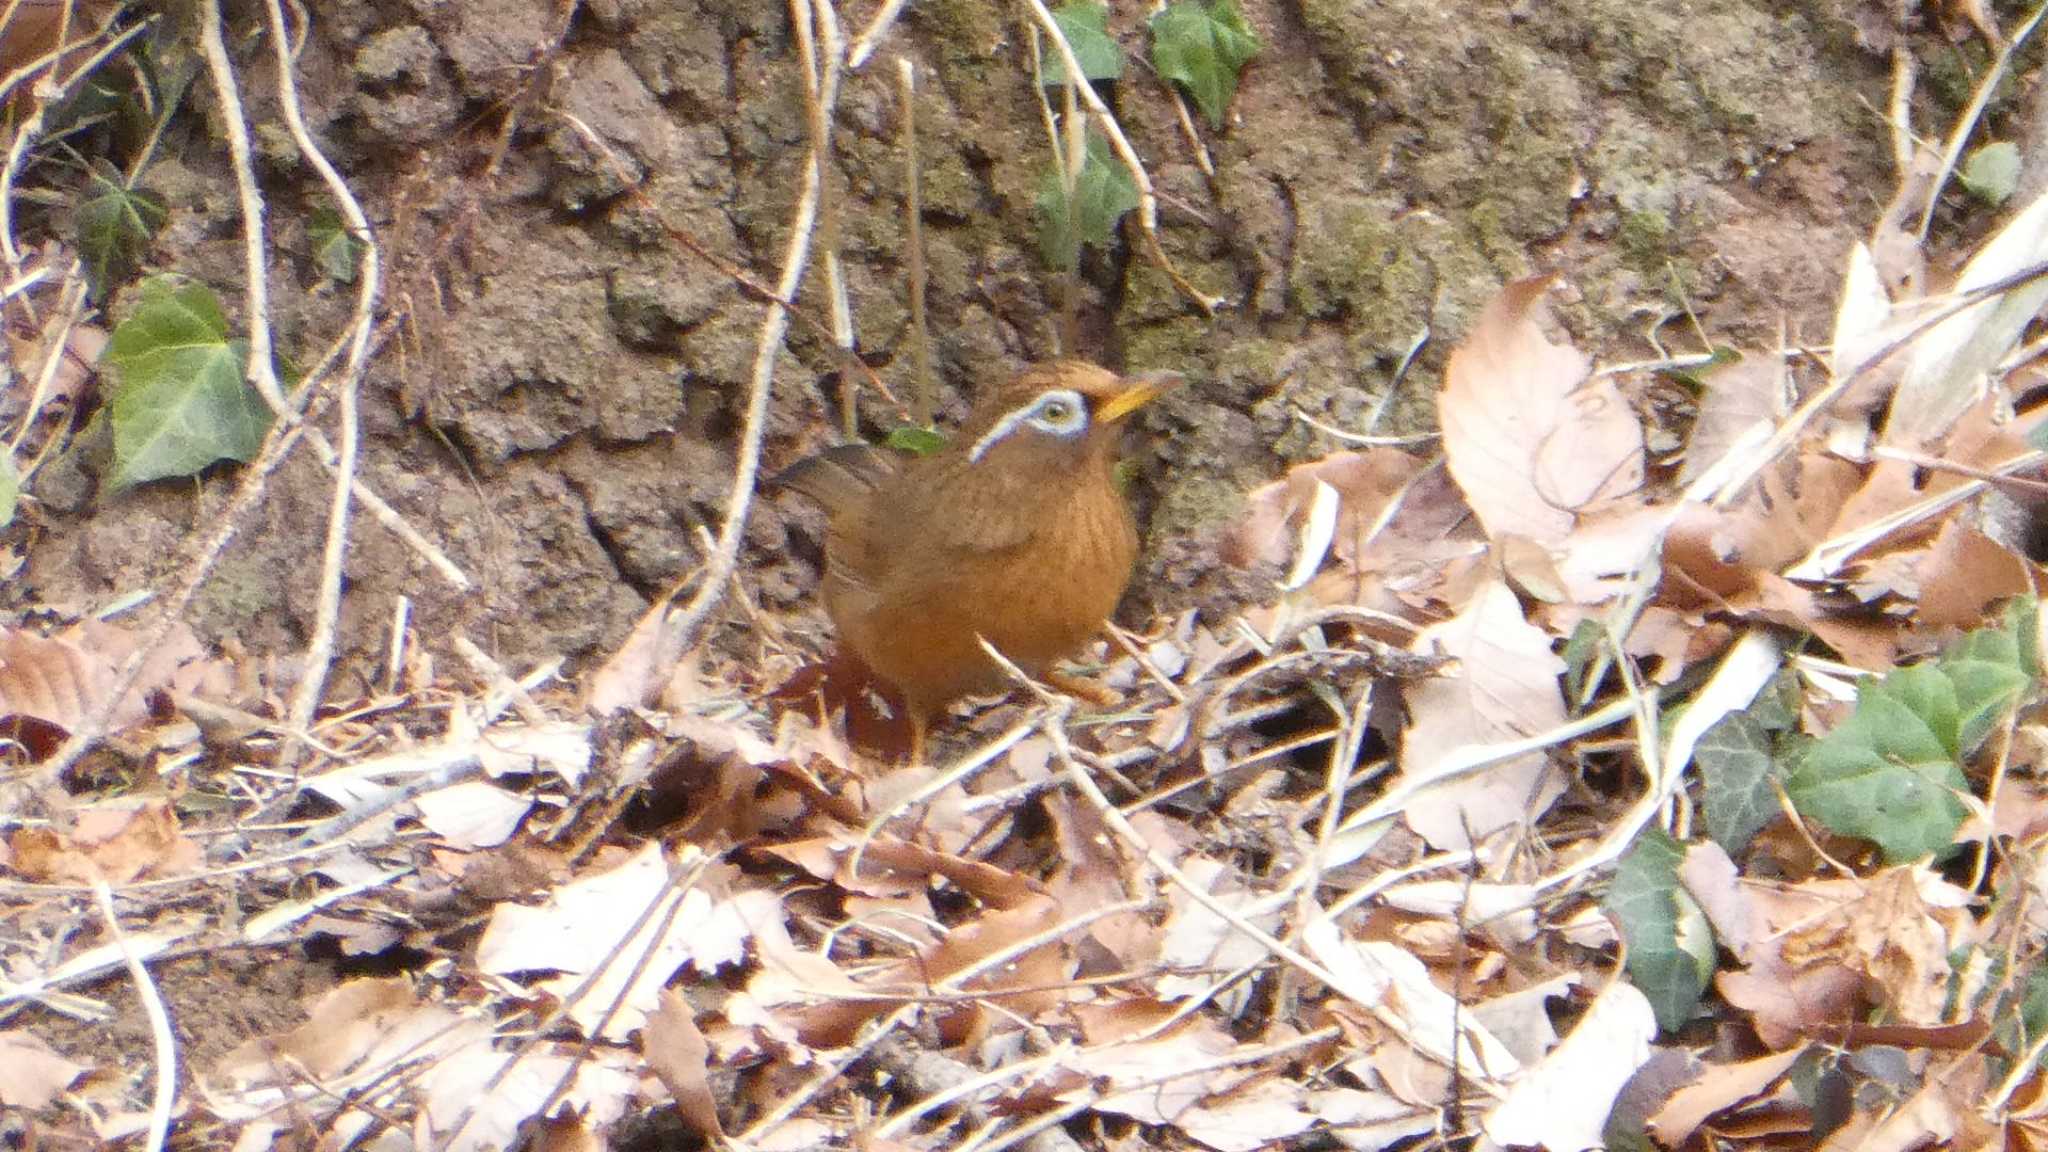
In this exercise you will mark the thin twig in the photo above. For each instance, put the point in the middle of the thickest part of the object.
(817, 31)
(261, 367)
(56, 350)
(161, 1041)
(871, 39)
(719, 569)
(327, 610)
(1188, 131)
(880, 1029)
(924, 383)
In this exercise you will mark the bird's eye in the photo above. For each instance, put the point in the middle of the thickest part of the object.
(1060, 413)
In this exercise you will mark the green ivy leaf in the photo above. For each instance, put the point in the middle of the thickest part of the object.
(2032, 1016)
(1891, 773)
(1777, 707)
(1086, 27)
(1992, 172)
(916, 440)
(1670, 946)
(180, 402)
(335, 251)
(1992, 669)
(1103, 192)
(1203, 47)
(115, 225)
(1737, 767)
(10, 488)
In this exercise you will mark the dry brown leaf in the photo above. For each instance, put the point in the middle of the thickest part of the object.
(81, 353)
(1530, 567)
(1982, 440)
(910, 917)
(357, 1035)
(60, 680)
(1504, 912)
(1258, 1115)
(1718, 1088)
(677, 1053)
(1163, 1096)
(118, 841)
(1785, 1002)
(999, 888)
(1530, 441)
(1963, 575)
(1107, 1022)
(1671, 642)
(1197, 939)
(893, 868)
(604, 923)
(472, 814)
(354, 937)
(799, 997)
(1090, 873)
(1504, 687)
(1365, 482)
(1777, 520)
(477, 1099)
(1387, 980)
(642, 662)
(1866, 321)
(1782, 996)
(1904, 926)
(1734, 400)
(36, 1074)
(1521, 1019)
(1043, 967)
(1369, 1121)
(1871, 643)
(1942, 1114)
(1811, 951)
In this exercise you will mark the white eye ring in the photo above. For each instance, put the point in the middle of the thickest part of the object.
(1061, 412)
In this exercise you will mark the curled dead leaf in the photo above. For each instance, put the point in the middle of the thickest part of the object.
(1530, 441)
(60, 680)
(1365, 482)
(116, 841)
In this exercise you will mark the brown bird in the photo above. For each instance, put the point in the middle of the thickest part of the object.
(1015, 532)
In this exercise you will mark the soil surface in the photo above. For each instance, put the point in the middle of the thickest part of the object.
(557, 401)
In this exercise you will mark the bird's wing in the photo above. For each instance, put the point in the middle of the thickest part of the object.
(840, 480)
(843, 481)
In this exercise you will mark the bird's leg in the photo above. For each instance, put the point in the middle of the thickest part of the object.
(918, 725)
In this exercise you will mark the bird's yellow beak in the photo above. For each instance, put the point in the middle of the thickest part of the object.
(1139, 391)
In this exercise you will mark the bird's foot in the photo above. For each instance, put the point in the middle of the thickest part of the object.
(1100, 695)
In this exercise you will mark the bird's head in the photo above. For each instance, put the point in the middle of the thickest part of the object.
(1058, 416)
